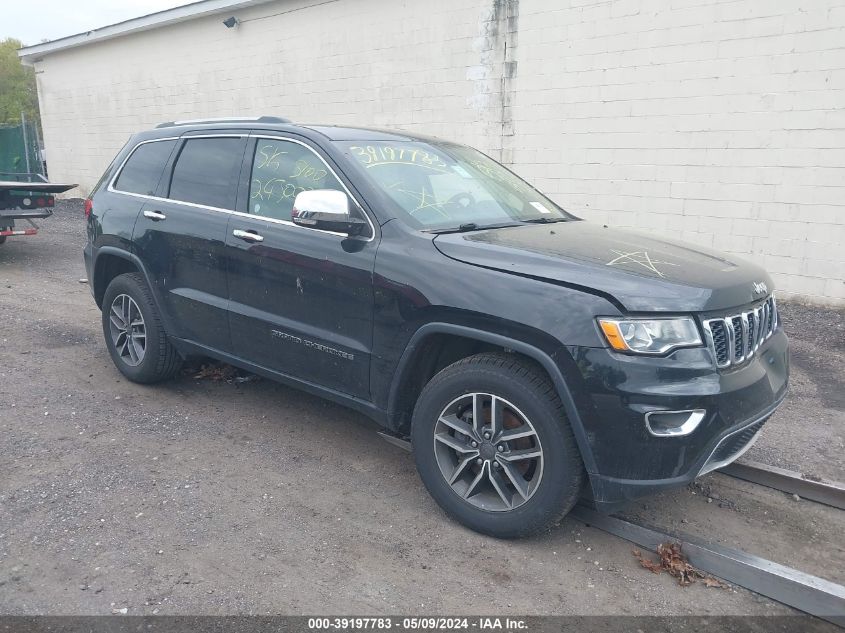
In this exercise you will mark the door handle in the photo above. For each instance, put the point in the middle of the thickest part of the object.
(156, 216)
(247, 236)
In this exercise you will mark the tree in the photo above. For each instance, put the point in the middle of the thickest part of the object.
(17, 86)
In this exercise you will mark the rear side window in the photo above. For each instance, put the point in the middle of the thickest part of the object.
(142, 171)
(206, 172)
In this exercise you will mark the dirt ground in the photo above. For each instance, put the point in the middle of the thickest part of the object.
(204, 497)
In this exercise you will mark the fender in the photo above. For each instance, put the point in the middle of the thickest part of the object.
(136, 261)
(531, 351)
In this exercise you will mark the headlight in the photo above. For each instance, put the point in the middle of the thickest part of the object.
(650, 336)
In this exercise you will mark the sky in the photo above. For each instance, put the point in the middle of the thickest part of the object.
(32, 21)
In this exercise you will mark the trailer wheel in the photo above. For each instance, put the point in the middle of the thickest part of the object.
(134, 333)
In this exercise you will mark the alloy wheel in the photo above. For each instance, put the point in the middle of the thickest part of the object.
(127, 329)
(488, 452)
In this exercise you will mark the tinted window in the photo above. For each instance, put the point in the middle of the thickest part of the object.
(281, 170)
(143, 169)
(206, 172)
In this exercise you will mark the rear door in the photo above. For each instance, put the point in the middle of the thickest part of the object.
(181, 233)
(138, 179)
(301, 300)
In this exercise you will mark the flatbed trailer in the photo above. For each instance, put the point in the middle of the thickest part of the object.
(26, 200)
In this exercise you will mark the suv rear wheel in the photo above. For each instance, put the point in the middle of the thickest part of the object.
(134, 334)
(494, 448)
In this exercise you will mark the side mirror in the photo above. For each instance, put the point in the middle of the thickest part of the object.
(326, 210)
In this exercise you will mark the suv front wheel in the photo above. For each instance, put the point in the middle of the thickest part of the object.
(134, 333)
(494, 448)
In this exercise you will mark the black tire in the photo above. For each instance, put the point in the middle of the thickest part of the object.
(161, 361)
(527, 387)
(2, 239)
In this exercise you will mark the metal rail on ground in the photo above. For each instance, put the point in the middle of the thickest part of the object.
(807, 593)
(828, 493)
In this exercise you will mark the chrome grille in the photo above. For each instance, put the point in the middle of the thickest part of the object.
(734, 339)
(737, 323)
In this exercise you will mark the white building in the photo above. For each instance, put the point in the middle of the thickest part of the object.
(721, 122)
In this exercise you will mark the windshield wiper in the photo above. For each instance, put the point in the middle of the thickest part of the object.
(472, 226)
(546, 220)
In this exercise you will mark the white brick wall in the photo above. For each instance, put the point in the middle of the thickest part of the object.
(721, 122)
(371, 62)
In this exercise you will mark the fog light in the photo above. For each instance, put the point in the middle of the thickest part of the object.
(673, 423)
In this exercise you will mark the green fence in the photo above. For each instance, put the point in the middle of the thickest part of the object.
(19, 152)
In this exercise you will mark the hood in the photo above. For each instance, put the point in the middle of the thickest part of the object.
(641, 272)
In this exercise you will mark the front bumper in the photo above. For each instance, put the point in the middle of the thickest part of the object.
(629, 461)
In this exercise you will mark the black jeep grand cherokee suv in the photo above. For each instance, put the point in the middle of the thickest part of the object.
(529, 356)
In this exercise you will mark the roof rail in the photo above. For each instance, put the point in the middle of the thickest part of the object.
(239, 119)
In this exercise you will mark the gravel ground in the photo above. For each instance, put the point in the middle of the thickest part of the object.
(808, 432)
(204, 497)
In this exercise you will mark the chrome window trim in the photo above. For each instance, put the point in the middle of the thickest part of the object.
(111, 188)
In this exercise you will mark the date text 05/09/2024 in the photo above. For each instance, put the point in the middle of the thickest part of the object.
(417, 624)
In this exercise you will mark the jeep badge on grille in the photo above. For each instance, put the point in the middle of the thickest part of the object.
(760, 288)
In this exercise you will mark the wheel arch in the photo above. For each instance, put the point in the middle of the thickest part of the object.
(109, 262)
(402, 392)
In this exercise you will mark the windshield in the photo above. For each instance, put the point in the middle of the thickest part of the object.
(446, 187)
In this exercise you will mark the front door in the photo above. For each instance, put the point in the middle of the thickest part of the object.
(301, 300)
(181, 235)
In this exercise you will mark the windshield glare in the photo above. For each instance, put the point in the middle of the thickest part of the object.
(438, 187)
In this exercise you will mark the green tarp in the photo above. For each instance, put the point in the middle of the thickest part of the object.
(15, 140)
